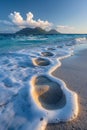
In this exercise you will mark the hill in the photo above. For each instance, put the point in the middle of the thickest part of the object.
(35, 31)
(53, 31)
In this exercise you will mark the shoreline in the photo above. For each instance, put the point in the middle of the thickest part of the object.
(71, 72)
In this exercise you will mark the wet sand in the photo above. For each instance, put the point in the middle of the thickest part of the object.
(48, 93)
(47, 54)
(74, 73)
(41, 62)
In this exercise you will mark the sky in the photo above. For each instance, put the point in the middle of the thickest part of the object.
(66, 16)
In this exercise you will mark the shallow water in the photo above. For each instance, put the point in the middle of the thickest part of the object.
(17, 67)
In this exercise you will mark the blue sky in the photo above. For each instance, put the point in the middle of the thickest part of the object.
(68, 16)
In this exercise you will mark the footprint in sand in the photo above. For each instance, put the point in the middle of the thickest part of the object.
(48, 93)
(51, 49)
(41, 61)
(47, 54)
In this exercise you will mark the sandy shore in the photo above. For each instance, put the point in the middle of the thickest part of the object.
(74, 73)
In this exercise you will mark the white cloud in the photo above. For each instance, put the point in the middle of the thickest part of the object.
(18, 20)
(66, 29)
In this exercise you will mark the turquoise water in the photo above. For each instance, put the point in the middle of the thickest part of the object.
(12, 43)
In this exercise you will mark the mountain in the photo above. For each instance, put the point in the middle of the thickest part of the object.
(35, 31)
(30, 31)
(53, 31)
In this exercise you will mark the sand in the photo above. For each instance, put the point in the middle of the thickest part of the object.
(41, 61)
(46, 54)
(74, 73)
(48, 93)
(51, 49)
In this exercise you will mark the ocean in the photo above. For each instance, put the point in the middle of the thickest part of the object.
(18, 55)
(13, 43)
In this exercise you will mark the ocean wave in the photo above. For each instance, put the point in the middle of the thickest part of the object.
(81, 40)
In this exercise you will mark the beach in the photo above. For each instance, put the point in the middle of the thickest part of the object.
(73, 72)
(42, 85)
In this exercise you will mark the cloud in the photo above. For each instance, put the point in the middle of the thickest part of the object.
(66, 29)
(18, 20)
(6, 22)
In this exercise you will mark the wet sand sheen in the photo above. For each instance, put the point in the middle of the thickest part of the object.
(48, 93)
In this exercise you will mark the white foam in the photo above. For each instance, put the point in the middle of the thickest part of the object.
(69, 111)
(81, 40)
(16, 73)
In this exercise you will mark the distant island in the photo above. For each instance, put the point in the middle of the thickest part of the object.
(36, 31)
